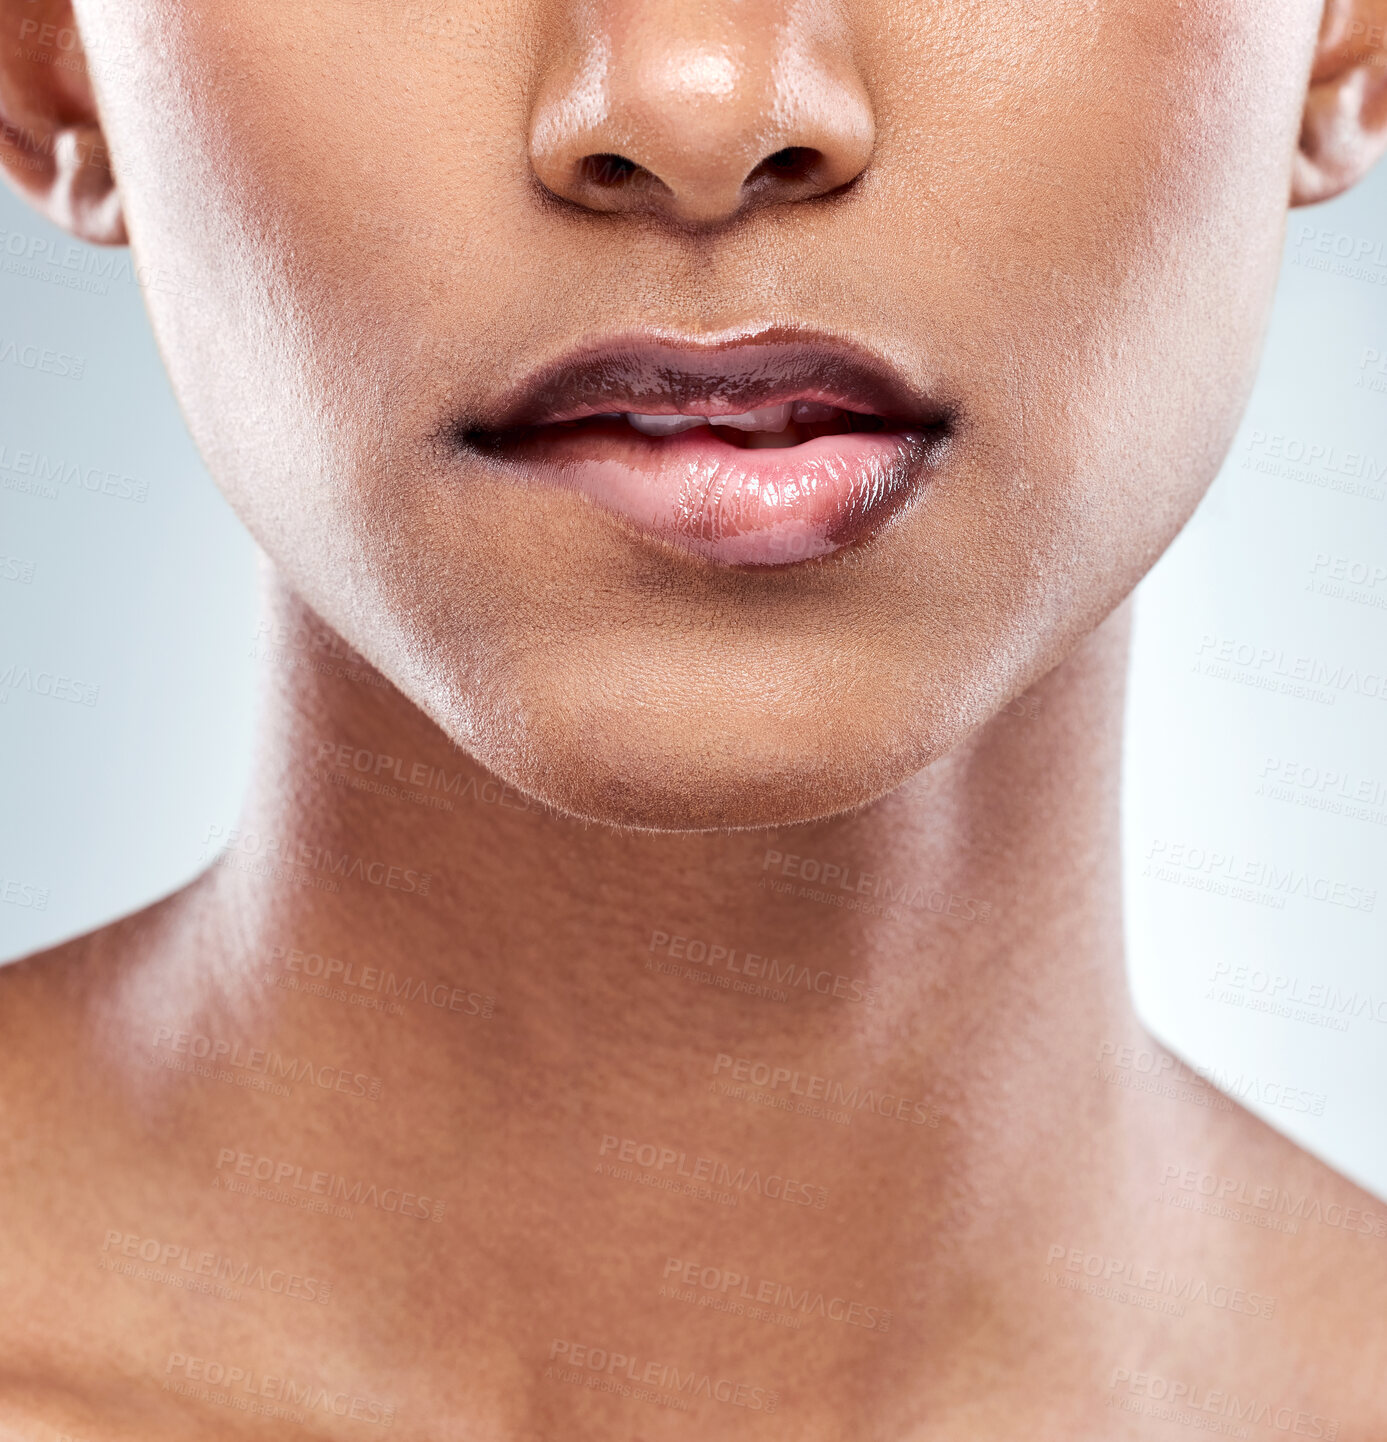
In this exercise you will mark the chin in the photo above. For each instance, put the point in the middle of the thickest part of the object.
(698, 795)
(697, 770)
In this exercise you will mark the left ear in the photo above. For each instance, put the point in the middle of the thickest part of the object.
(1344, 130)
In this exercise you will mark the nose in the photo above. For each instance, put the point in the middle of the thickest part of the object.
(699, 109)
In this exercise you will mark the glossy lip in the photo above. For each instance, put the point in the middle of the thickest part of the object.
(734, 505)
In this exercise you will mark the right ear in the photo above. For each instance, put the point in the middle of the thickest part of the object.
(52, 148)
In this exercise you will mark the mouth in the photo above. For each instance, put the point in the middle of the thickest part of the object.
(764, 451)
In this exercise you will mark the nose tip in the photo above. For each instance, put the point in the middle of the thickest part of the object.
(700, 127)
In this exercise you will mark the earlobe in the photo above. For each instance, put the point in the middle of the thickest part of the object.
(52, 148)
(1344, 130)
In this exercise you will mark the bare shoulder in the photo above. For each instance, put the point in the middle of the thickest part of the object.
(1252, 1178)
(53, 1002)
(1262, 1268)
(71, 1158)
(47, 999)
(61, 1040)
(1295, 1254)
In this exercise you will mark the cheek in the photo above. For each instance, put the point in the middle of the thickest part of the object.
(1124, 195)
(298, 208)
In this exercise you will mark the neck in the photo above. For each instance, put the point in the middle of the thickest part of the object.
(988, 885)
(937, 972)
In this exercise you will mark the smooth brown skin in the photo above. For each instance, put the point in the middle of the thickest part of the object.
(369, 218)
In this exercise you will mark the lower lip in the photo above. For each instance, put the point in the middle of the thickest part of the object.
(736, 506)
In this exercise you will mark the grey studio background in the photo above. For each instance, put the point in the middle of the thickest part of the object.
(1256, 820)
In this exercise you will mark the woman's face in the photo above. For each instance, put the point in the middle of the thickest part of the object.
(957, 305)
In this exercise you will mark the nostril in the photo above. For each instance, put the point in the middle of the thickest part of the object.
(794, 162)
(607, 170)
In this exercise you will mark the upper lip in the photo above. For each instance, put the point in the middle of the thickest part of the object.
(663, 375)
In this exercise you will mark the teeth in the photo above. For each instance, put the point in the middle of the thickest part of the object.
(769, 418)
(663, 425)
